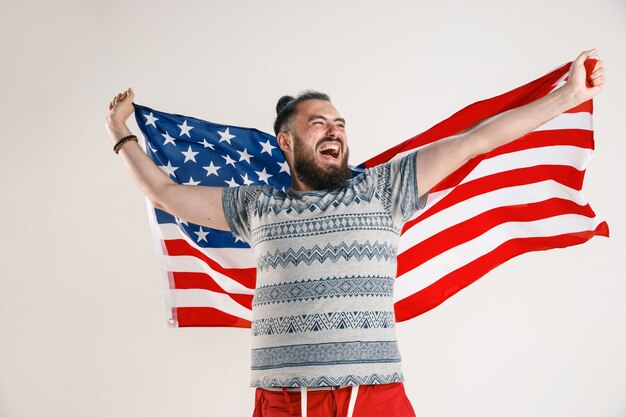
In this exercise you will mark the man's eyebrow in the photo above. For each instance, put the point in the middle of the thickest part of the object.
(319, 116)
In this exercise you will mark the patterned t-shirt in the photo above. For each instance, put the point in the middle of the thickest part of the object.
(322, 312)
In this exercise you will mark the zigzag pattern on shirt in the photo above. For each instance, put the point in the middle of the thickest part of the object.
(409, 202)
(370, 250)
(324, 381)
(330, 287)
(324, 354)
(324, 321)
(314, 200)
(383, 186)
(327, 224)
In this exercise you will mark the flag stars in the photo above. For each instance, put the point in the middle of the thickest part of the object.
(191, 182)
(150, 119)
(226, 136)
(190, 155)
(201, 235)
(244, 156)
(232, 182)
(246, 180)
(184, 129)
(284, 167)
(181, 221)
(168, 139)
(207, 144)
(267, 147)
(229, 160)
(263, 175)
(169, 169)
(211, 169)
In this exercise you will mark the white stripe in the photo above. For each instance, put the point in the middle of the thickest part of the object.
(464, 210)
(459, 256)
(578, 158)
(233, 257)
(581, 120)
(573, 156)
(193, 264)
(353, 395)
(303, 401)
(204, 298)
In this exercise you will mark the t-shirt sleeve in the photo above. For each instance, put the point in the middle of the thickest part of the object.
(238, 204)
(397, 186)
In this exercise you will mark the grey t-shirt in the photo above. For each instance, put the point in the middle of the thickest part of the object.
(322, 313)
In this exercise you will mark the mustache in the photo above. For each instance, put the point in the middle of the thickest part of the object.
(330, 139)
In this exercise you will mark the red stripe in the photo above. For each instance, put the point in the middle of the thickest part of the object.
(180, 247)
(200, 280)
(452, 283)
(207, 317)
(565, 175)
(570, 137)
(478, 225)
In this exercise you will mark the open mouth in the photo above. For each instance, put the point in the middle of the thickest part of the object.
(330, 150)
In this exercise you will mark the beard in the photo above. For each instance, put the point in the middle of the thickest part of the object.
(309, 172)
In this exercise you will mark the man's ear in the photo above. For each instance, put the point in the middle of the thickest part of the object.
(284, 141)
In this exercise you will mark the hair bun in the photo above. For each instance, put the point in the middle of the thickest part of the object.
(282, 103)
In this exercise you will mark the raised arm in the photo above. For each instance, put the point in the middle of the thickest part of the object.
(440, 159)
(198, 204)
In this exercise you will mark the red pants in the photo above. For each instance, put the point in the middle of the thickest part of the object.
(388, 400)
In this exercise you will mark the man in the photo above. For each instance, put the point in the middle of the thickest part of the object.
(323, 326)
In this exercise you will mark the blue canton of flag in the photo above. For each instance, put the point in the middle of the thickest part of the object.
(196, 152)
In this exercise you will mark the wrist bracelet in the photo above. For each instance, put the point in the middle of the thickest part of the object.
(123, 141)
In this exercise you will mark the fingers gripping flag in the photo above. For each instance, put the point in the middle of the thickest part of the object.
(524, 196)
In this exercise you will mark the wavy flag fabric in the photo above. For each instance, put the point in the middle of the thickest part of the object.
(522, 197)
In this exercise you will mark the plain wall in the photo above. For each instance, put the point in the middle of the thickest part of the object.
(82, 327)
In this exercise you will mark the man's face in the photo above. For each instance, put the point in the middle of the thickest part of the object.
(320, 149)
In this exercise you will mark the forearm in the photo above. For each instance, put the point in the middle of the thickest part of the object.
(144, 172)
(520, 121)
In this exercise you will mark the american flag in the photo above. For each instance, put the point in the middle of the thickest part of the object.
(524, 196)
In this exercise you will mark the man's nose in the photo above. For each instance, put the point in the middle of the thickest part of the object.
(332, 131)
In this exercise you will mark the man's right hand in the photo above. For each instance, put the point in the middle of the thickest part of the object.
(120, 109)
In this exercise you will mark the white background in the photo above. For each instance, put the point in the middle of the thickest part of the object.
(82, 330)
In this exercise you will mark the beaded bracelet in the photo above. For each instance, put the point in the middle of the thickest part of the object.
(123, 141)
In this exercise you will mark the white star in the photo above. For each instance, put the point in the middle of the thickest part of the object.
(151, 148)
(232, 182)
(181, 221)
(211, 169)
(168, 169)
(150, 119)
(184, 129)
(190, 155)
(201, 235)
(191, 182)
(226, 136)
(267, 147)
(207, 144)
(244, 155)
(263, 175)
(246, 180)
(237, 239)
(284, 167)
(168, 139)
(229, 160)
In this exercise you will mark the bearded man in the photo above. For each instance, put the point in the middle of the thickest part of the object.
(323, 326)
